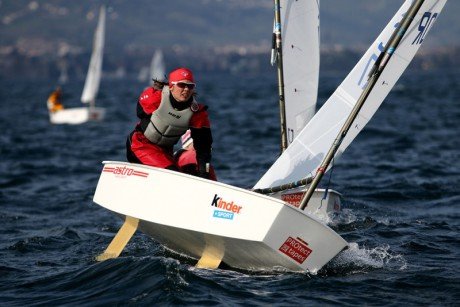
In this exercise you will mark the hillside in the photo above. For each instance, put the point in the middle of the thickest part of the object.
(60, 31)
(198, 23)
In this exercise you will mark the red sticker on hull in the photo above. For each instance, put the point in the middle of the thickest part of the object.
(124, 171)
(293, 198)
(296, 249)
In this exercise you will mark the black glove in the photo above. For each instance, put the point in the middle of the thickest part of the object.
(203, 170)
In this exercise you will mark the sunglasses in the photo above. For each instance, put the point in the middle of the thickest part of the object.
(190, 86)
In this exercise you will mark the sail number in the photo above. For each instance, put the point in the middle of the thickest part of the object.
(425, 24)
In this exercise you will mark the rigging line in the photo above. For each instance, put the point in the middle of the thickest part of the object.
(329, 180)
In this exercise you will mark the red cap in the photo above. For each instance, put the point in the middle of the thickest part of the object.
(181, 74)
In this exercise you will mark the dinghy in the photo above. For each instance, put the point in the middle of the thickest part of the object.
(157, 69)
(83, 114)
(215, 222)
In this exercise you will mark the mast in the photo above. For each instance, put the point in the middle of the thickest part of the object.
(278, 57)
(374, 74)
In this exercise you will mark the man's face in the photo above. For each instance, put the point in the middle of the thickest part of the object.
(182, 90)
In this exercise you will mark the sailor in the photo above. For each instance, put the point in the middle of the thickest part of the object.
(54, 101)
(165, 115)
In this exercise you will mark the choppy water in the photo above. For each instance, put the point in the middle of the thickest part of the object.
(400, 181)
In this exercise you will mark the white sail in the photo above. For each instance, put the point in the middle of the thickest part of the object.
(93, 77)
(300, 35)
(306, 153)
(157, 66)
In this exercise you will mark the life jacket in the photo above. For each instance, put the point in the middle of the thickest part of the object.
(167, 124)
(54, 103)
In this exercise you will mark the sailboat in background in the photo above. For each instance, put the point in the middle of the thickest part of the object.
(143, 75)
(156, 71)
(296, 52)
(158, 67)
(92, 82)
(216, 222)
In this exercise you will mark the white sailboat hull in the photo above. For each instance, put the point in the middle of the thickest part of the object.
(75, 116)
(191, 215)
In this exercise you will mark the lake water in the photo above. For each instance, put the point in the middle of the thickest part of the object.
(399, 180)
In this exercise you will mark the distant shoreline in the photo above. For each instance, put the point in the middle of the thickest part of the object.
(38, 63)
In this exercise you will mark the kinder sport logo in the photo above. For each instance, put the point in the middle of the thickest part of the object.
(226, 210)
(124, 171)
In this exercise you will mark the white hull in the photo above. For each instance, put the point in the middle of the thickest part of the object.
(75, 116)
(252, 231)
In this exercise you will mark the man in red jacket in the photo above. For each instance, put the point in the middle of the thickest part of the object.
(165, 115)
